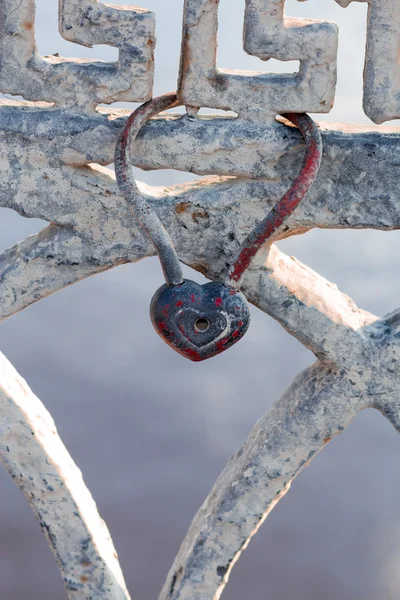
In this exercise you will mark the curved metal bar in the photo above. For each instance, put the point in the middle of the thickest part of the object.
(145, 216)
(40, 465)
(284, 208)
(319, 405)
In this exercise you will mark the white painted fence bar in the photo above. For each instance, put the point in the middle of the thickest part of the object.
(40, 465)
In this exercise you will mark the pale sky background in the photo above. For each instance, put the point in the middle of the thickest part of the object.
(151, 432)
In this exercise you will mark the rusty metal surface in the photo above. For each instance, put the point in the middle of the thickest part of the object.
(265, 230)
(200, 321)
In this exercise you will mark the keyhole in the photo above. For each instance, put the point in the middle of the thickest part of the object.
(202, 325)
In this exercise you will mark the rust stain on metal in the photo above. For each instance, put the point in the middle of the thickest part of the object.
(182, 207)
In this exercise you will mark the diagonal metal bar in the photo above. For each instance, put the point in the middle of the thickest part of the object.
(38, 462)
(42, 264)
(206, 222)
(319, 405)
(310, 308)
(285, 289)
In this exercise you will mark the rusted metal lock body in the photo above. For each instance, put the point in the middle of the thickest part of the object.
(199, 321)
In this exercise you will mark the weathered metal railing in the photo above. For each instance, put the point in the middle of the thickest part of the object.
(52, 159)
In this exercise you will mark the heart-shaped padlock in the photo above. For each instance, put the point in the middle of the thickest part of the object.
(201, 321)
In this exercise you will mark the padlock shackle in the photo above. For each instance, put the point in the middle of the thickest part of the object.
(265, 229)
(142, 211)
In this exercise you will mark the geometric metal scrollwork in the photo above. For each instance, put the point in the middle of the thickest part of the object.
(382, 67)
(268, 33)
(78, 84)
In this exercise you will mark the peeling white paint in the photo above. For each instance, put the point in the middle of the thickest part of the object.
(268, 33)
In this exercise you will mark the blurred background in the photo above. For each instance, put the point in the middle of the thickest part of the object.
(151, 431)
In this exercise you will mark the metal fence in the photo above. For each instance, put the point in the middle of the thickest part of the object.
(54, 145)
